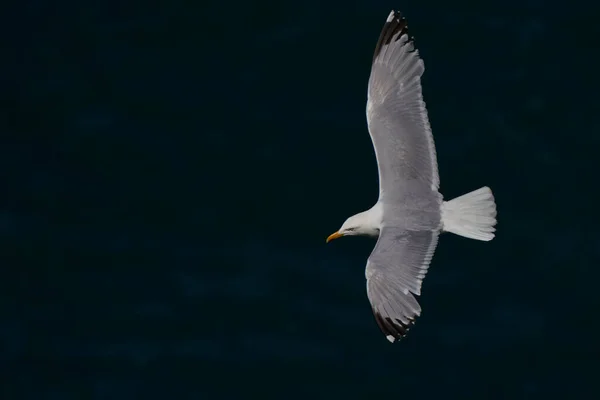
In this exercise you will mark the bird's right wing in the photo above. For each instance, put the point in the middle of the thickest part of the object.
(396, 113)
(395, 271)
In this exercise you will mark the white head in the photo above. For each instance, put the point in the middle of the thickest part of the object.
(364, 223)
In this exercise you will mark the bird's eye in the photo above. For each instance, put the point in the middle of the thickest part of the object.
(350, 229)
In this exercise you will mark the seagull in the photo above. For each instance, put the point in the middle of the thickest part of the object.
(410, 212)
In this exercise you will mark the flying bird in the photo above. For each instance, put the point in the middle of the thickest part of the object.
(410, 212)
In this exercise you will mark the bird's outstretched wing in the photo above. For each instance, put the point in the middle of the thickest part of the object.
(395, 271)
(396, 113)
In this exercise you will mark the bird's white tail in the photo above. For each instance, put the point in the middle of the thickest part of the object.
(471, 215)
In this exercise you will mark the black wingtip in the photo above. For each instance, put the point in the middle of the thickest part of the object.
(393, 330)
(395, 23)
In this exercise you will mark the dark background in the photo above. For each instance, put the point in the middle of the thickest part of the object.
(170, 173)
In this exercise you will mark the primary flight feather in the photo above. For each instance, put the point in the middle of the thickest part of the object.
(410, 212)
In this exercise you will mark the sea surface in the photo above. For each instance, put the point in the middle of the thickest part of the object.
(169, 172)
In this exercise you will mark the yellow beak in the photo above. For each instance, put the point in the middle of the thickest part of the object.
(333, 236)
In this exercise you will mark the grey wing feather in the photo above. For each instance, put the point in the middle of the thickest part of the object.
(395, 272)
(396, 113)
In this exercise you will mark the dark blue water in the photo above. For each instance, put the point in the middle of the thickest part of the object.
(170, 173)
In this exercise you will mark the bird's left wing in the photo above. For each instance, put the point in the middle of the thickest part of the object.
(396, 113)
(395, 271)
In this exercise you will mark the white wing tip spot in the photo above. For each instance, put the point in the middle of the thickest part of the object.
(390, 338)
(390, 17)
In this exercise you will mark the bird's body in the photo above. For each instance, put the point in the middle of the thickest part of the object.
(410, 212)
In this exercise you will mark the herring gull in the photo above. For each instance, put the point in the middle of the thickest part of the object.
(410, 212)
